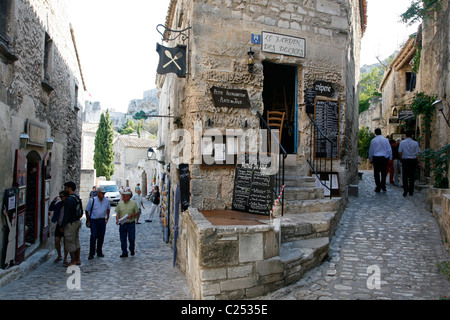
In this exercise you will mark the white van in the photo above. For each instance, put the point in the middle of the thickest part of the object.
(112, 191)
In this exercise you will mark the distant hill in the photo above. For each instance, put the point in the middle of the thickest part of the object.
(386, 62)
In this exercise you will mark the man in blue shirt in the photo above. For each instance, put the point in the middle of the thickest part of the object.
(380, 153)
(408, 151)
(97, 216)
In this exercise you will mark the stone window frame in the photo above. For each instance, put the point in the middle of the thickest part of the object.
(7, 54)
(47, 64)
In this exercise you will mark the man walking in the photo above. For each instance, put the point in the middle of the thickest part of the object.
(380, 153)
(71, 224)
(126, 214)
(97, 216)
(154, 205)
(408, 151)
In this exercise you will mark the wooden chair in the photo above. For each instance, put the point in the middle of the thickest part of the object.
(275, 120)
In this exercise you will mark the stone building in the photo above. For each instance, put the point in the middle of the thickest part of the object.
(131, 164)
(398, 87)
(246, 58)
(41, 94)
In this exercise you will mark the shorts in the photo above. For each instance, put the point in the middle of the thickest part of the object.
(71, 236)
(58, 232)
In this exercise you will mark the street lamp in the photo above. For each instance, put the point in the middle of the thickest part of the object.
(49, 143)
(151, 154)
(439, 105)
(24, 138)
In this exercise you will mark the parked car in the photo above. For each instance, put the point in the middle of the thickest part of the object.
(112, 192)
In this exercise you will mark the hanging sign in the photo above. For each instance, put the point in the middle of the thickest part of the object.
(324, 89)
(283, 44)
(230, 98)
(172, 60)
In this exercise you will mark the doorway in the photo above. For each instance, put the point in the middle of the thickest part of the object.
(32, 197)
(280, 94)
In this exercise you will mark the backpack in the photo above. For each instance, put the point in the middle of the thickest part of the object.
(79, 207)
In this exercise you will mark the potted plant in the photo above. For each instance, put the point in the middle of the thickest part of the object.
(439, 161)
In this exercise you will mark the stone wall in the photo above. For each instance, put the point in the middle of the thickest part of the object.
(25, 97)
(229, 262)
(220, 38)
(438, 202)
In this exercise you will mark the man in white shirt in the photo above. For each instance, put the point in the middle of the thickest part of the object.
(97, 216)
(408, 152)
(380, 153)
(139, 201)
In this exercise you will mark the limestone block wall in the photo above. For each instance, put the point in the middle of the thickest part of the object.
(228, 262)
(220, 39)
(445, 225)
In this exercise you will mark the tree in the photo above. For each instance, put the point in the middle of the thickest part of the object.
(421, 9)
(370, 81)
(365, 136)
(104, 152)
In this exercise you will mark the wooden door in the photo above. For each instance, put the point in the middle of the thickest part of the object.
(20, 181)
(46, 183)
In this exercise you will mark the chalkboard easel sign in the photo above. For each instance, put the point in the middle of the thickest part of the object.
(327, 118)
(253, 190)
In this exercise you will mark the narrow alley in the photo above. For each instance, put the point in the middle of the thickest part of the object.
(382, 232)
(147, 275)
(386, 247)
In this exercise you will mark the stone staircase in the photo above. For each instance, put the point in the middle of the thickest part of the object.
(307, 226)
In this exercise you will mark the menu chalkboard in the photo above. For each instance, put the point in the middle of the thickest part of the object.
(183, 171)
(327, 119)
(253, 190)
(310, 96)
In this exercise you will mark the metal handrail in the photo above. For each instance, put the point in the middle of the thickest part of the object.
(279, 177)
(311, 162)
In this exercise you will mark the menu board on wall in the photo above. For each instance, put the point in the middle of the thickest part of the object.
(326, 116)
(183, 171)
(253, 190)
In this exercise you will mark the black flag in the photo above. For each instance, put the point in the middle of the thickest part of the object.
(172, 60)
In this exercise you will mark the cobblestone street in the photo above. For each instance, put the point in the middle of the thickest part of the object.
(379, 230)
(147, 275)
(396, 236)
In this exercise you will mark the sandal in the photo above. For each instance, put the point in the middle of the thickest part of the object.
(58, 259)
(66, 264)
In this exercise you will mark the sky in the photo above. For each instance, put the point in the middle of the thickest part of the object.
(116, 42)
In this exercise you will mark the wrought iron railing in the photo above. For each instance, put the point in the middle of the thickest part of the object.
(321, 162)
(282, 155)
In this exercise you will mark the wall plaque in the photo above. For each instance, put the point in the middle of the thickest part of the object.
(37, 134)
(230, 98)
(283, 44)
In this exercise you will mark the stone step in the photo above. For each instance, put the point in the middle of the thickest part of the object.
(303, 193)
(300, 256)
(306, 226)
(310, 206)
(299, 181)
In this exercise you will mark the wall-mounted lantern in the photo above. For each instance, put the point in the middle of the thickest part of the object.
(151, 154)
(395, 112)
(49, 143)
(24, 138)
(251, 60)
(439, 104)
